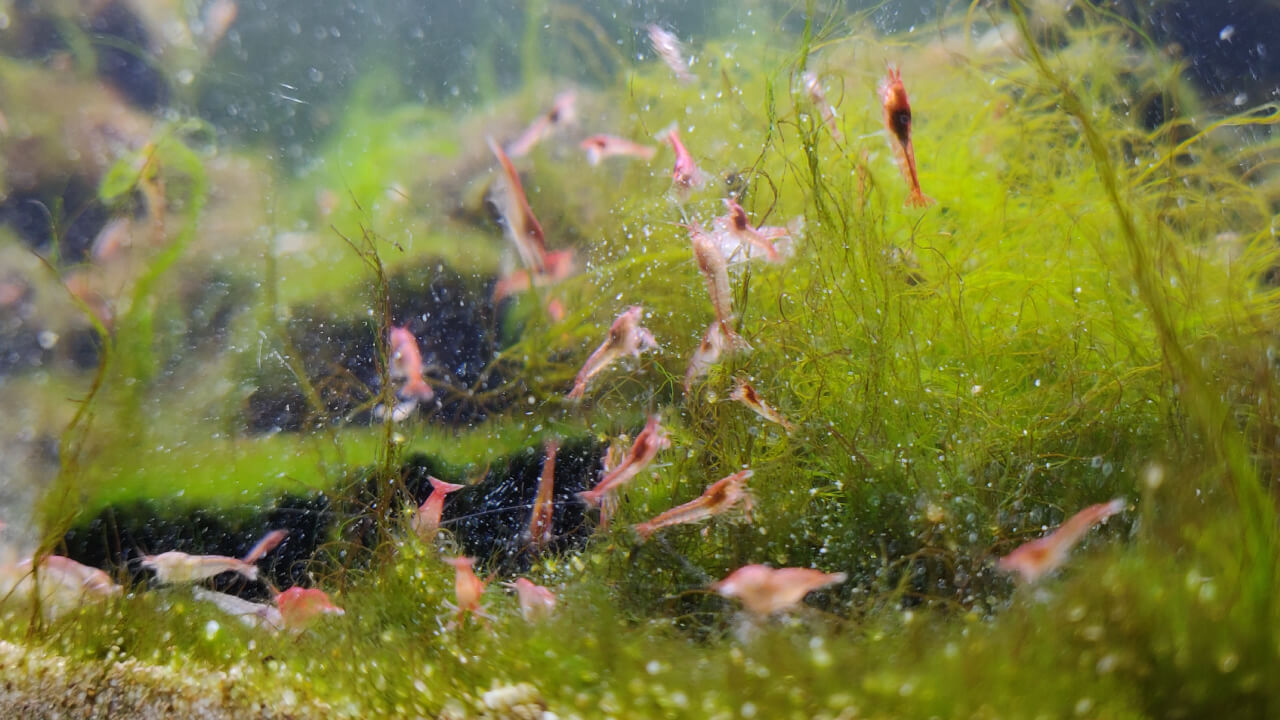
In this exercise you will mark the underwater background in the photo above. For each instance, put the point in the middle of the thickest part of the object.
(639, 359)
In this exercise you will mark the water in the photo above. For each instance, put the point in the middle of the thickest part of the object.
(940, 278)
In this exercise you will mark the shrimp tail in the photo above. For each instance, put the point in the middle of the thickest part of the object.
(736, 342)
(268, 543)
(419, 389)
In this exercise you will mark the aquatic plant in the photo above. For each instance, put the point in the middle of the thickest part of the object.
(1085, 314)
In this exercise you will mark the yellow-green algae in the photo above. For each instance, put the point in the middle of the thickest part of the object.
(1083, 315)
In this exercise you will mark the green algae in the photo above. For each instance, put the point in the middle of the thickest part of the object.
(1073, 321)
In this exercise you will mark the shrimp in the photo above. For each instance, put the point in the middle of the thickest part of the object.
(626, 337)
(179, 568)
(111, 239)
(719, 497)
(648, 443)
(252, 614)
(667, 46)
(467, 587)
(715, 269)
(294, 609)
(406, 362)
(685, 173)
(764, 590)
(897, 118)
(557, 265)
(216, 20)
(819, 99)
(561, 113)
(707, 354)
(1038, 557)
(746, 240)
(744, 393)
(426, 521)
(176, 568)
(518, 220)
(299, 607)
(612, 458)
(536, 601)
(540, 533)
(70, 576)
(599, 147)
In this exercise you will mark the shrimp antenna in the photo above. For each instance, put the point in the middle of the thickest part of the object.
(137, 548)
(504, 508)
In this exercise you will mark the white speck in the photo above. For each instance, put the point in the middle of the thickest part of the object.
(47, 339)
(1226, 33)
(653, 667)
(821, 658)
(1228, 662)
(748, 710)
(1153, 476)
(1240, 99)
(211, 629)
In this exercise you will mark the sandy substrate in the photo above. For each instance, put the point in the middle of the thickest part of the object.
(35, 684)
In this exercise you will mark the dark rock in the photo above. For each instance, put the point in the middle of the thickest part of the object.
(67, 212)
(118, 537)
(455, 323)
(275, 409)
(125, 59)
(83, 347)
(488, 520)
